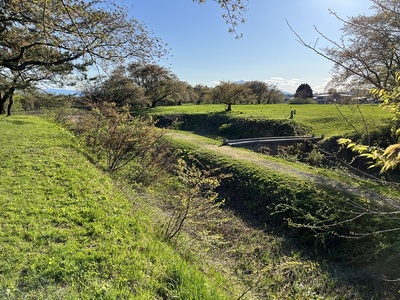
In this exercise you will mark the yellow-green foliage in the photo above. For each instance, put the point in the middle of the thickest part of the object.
(194, 200)
(385, 158)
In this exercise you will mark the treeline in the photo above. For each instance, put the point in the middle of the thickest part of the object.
(149, 85)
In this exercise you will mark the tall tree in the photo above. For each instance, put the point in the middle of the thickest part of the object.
(49, 39)
(259, 89)
(203, 93)
(157, 82)
(265, 93)
(274, 95)
(230, 93)
(117, 88)
(304, 91)
(368, 53)
(184, 93)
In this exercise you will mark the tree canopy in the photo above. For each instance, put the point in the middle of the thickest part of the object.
(117, 88)
(265, 93)
(49, 39)
(368, 55)
(157, 82)
(304, 91)
(230, 93)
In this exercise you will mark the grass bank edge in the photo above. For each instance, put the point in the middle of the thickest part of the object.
(328, 120)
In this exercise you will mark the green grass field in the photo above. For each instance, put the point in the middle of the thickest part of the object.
(328, 120)
(68, 233)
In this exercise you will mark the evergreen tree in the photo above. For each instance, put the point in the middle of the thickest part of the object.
(304, 91)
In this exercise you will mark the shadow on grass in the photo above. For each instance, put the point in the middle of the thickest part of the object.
(15, 121)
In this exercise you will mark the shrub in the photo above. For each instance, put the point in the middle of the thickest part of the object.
(314, 157)
(301, 101)
(195, 199)
(231, 128)
(116, 140)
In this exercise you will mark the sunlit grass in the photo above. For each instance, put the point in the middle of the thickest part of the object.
(328, 120)
(68, 233)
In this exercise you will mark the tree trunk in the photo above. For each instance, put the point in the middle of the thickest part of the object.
(229, 108)
(2, 107)
(8, 95)
(10, 103)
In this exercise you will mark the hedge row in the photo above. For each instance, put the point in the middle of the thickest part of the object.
(221, 124)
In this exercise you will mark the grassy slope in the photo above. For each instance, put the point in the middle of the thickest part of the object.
(66, 232)
(323, 119)
(257, 185)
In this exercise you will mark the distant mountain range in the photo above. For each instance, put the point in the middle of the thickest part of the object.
(62, 91)
(288, 94)
(240, 82)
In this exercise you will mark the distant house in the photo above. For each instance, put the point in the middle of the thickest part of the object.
(365, 100)
(332, 98)
(324, 98)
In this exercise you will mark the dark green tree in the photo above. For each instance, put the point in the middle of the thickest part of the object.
(304, 91)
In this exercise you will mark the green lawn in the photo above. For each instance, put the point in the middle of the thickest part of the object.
(328, 120)
(68, 233)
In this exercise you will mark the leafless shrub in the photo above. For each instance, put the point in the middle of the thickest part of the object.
(115, 139)
(195, 200)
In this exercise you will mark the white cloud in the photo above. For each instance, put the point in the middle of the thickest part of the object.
(322, 86)
(290, 85)
(284, 84)
(214, 83)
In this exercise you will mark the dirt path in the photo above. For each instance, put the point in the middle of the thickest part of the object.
(261, 160)
(245, 155)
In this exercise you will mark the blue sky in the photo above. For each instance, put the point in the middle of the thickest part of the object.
(203, 52)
